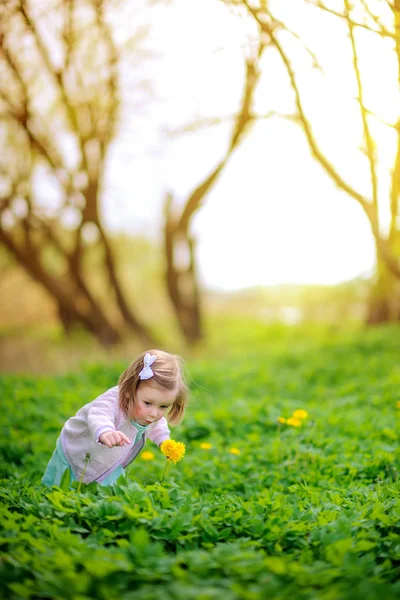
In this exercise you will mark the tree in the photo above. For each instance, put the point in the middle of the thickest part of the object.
(180, 244)
(375, 18)
(59, 112)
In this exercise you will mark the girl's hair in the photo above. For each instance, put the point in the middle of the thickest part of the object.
(168, 374)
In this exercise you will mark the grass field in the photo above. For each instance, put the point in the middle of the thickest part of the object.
(255, 510)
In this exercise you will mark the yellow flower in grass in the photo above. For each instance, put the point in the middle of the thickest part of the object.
(234, 451)
(300, 414)
(205, 446)
(281, 420)
(172, 450)
(147, 456)
(398, 404)
(293, 422)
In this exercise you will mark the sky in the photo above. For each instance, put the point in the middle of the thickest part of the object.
(274, 216)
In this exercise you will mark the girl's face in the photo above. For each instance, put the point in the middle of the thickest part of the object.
(152, 402)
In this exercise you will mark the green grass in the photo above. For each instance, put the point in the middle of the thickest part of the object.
(301, 513)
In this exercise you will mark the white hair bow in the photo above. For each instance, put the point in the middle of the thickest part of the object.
(147, 372)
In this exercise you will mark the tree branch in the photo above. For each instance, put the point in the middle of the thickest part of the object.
(316, 151)
(381, 31)
(367, 134)
(243, 120)
(59, 79)
(395, 187)
(112, 79)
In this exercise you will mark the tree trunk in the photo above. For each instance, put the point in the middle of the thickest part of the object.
(384, 302)
(181, 272)
(84, 99)
(73, 309)
(181, 279)
(126, 312)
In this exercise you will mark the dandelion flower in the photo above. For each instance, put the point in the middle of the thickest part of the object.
(294, 422)
(281, 420)
(234, 451)
(205, 446)
(147, 456)
(300, 414)
(173, 451)
(398, 404)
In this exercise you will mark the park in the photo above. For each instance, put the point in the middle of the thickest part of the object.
(217, 181)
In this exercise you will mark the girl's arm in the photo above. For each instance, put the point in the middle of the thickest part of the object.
(102, 416)
(160, 432)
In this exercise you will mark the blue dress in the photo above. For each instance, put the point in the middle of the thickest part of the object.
(58, 464)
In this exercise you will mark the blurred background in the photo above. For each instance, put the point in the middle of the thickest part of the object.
(173, 170)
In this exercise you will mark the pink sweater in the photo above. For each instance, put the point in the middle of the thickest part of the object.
(80, 435)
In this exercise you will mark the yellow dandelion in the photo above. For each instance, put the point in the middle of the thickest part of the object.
(205, 446)
(294, 422)
(234, 451)
(147, 456)
(300, 414)
(398, 404)
(173, 451)
(281, 420)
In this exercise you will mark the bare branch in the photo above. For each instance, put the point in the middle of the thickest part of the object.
(59, 79)
(24, 120)
(375, 18)
(381, 30)
(378, 118)
(316, 151)
(206, 123)
(112, 80)
(395, 187)
(277, 25)
(23, 115)
(243, 120)
(367, 134)
(200, 124)
(85, 93)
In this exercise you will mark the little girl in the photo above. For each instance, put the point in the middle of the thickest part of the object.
(108, 433)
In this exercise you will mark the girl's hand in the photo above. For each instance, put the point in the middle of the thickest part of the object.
(114, 438)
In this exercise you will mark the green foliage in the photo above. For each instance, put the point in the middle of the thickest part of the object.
(308, 512)
(65, 480)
